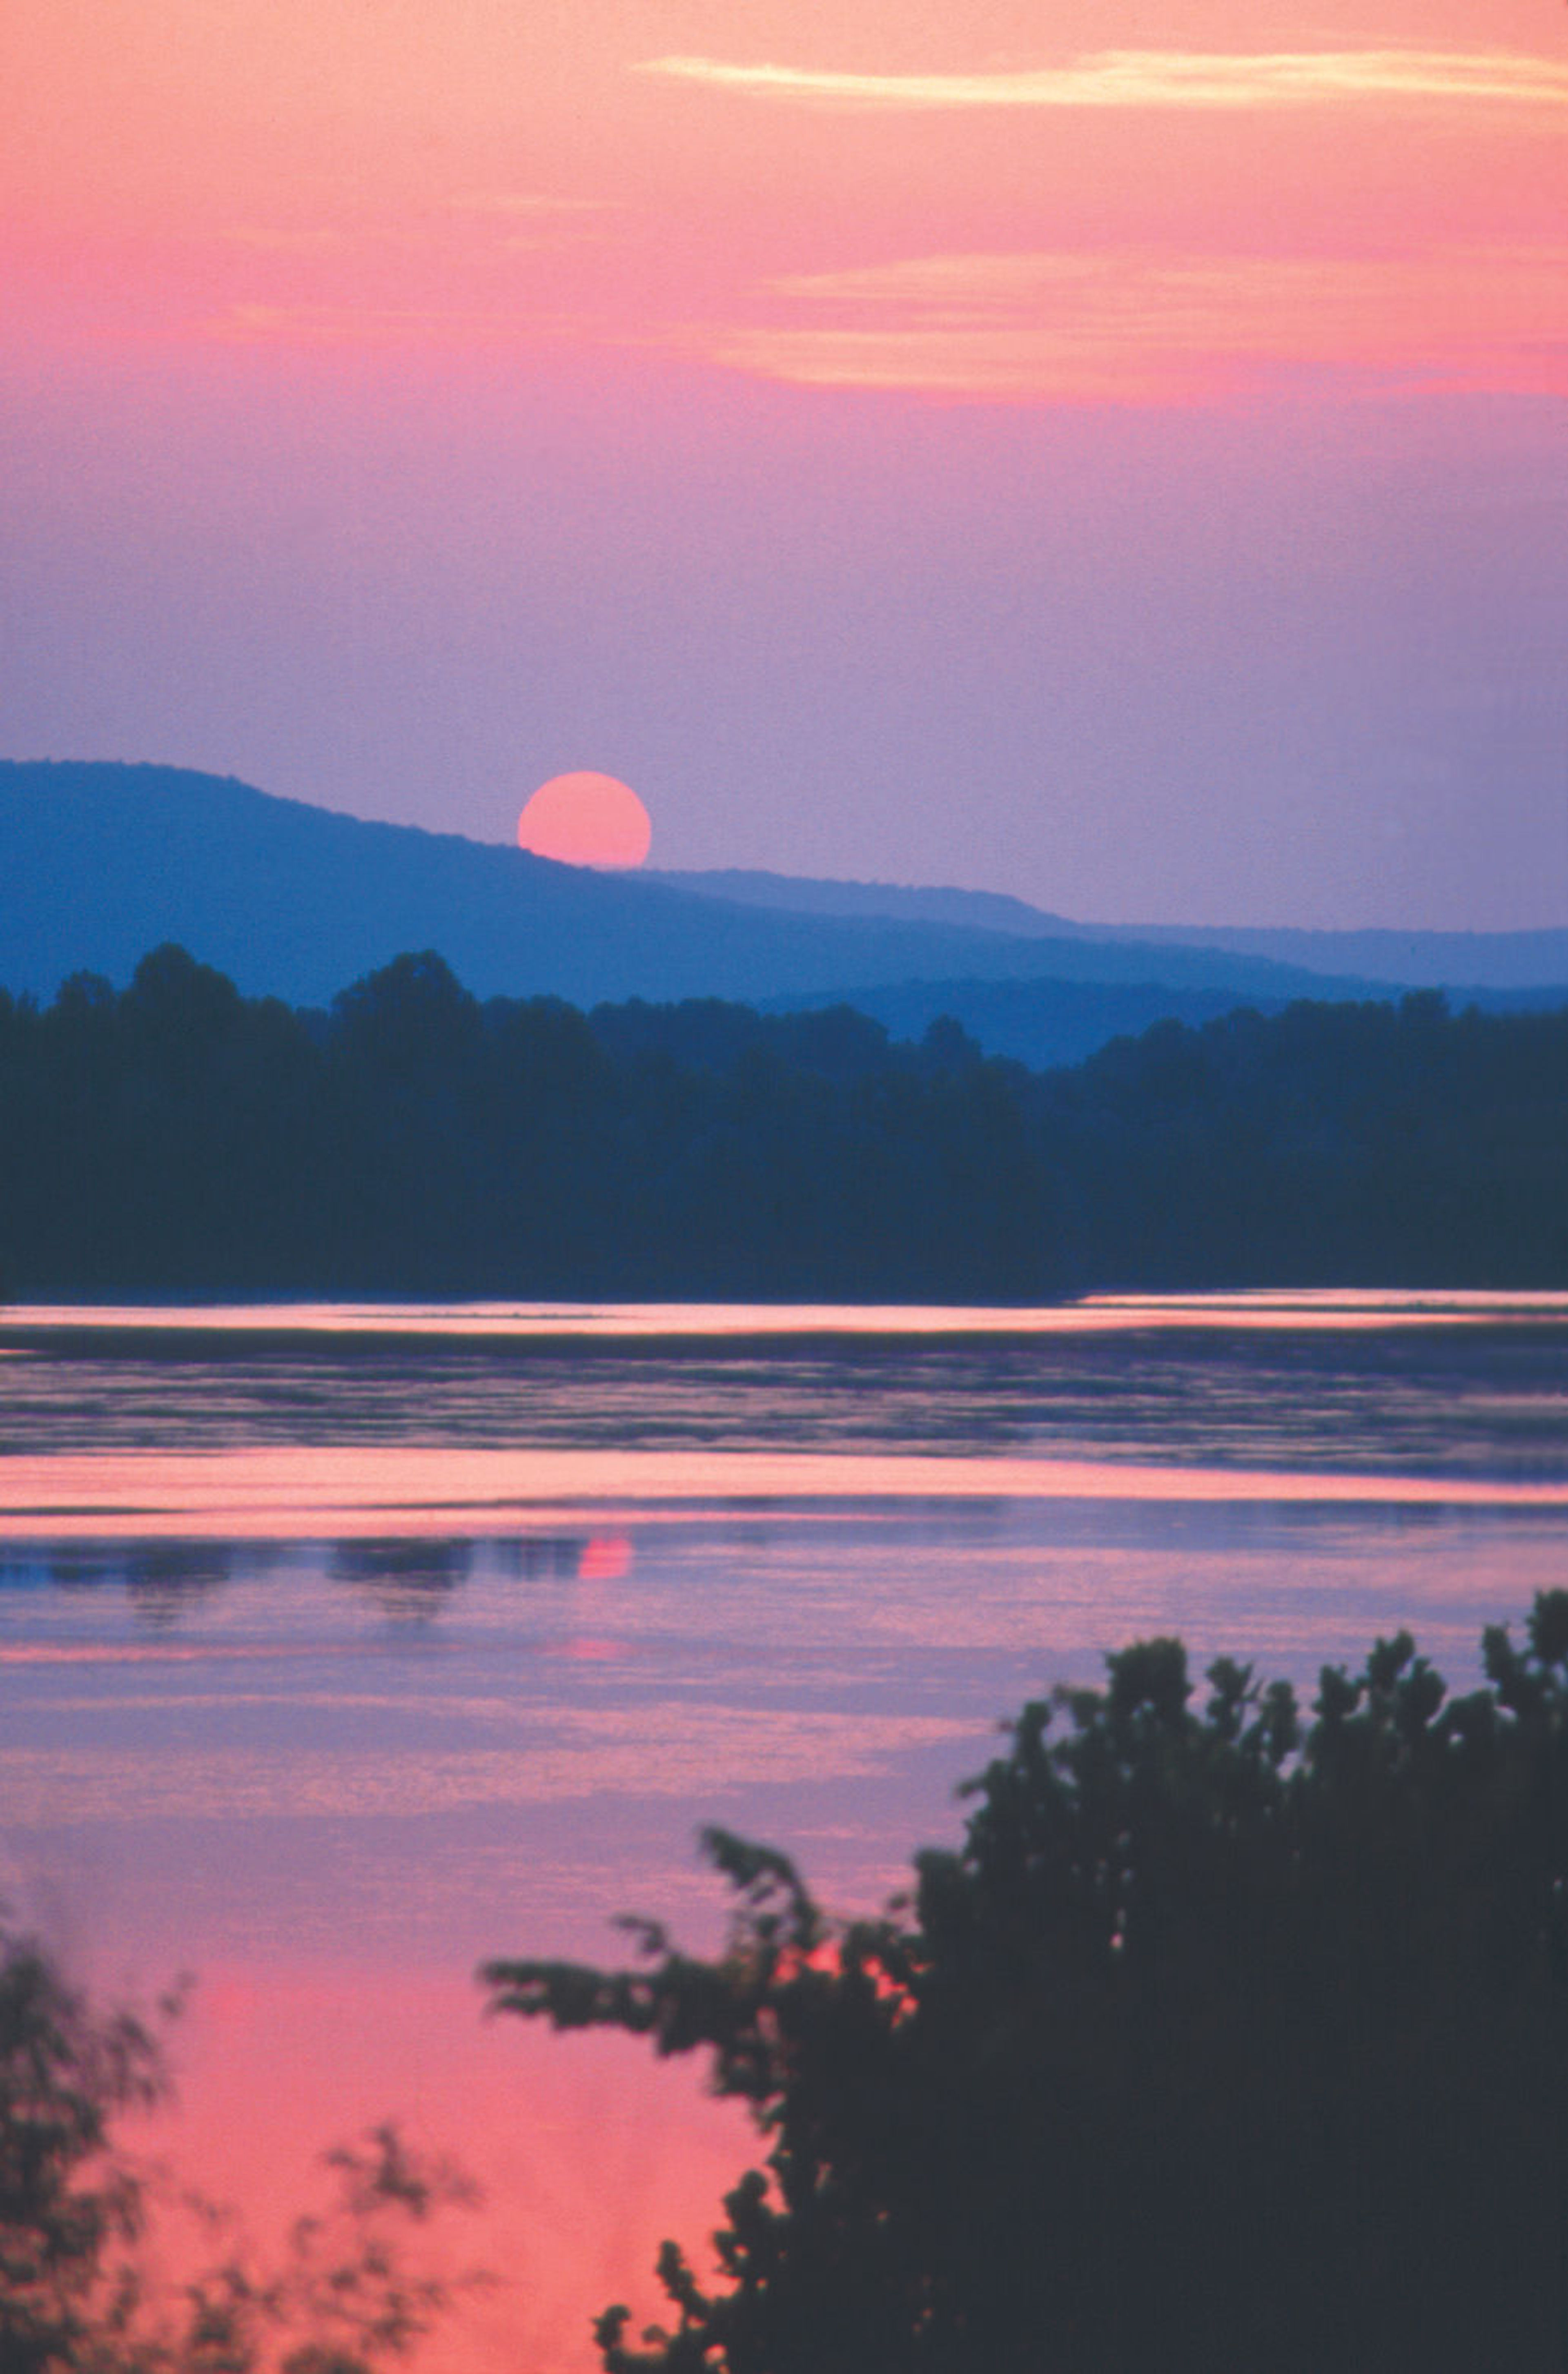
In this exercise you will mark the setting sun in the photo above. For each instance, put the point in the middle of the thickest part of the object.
(586, 819)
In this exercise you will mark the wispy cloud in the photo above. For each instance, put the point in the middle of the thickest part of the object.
(1178, 78)
(1129, 325)
(1135, 327)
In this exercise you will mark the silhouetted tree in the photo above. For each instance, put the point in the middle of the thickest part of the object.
(74, 2216)
(1221, 2044)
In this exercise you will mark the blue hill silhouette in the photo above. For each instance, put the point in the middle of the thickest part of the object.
(100, 860)
(1422, 960)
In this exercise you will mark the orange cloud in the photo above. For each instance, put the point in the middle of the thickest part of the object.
(1125, 78)
(1136, 327)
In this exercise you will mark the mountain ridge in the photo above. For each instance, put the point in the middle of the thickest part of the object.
(101, 860)
(1414, 957)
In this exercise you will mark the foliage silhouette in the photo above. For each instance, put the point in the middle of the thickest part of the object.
(66, 2075)
(1225, 2042)
(176, 1138)
(75, 2294)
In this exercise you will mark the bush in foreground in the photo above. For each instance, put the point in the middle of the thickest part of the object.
(1226, 2043)
(343, 2297)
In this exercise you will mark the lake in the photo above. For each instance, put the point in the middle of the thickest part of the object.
(342, 1647)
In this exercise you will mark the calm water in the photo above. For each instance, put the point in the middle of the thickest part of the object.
(339, 1649)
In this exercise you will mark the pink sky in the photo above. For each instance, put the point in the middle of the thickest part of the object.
(1111, 456)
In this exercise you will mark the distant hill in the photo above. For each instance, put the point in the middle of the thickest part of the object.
(805, 894)
(100, 863)
(1044, 1023)
(1453, 960)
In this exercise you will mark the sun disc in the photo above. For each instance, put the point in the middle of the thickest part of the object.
(586, 820)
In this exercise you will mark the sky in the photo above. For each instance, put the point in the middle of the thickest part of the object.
(1110, 455)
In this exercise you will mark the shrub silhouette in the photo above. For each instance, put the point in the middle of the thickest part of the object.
(1224, 2042)
(342, 2299)
(66, 2074)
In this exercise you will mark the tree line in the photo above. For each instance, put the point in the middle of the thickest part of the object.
(176, 1138)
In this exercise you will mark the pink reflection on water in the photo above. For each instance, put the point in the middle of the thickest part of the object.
(605, 1559)
(817, 1645)
(307, 1492)
(1357, 1308)
(588, 2150)
(140, 1652)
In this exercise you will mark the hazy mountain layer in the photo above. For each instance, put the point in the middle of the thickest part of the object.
(101, 861)
(1455, 960)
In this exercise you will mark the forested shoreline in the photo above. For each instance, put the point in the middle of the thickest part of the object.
(176, 1139)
